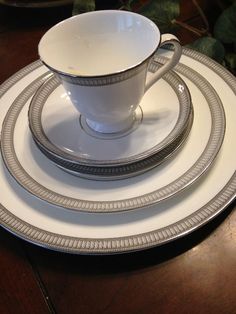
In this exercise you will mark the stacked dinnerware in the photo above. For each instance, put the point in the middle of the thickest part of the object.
(116, 146)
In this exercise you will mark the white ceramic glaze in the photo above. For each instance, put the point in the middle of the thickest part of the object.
(102, 58)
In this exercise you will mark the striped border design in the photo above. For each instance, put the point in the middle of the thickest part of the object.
(75, 245)
(4, 87)
(103, 80)
(152, 198)
(157, 237)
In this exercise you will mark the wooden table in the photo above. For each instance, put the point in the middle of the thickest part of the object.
(196, 274)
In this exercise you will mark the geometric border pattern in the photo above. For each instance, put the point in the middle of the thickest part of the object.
(75, 245)
(104, 79)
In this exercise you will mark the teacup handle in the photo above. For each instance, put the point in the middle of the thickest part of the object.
(166, 39)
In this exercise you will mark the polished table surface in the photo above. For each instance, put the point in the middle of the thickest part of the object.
(195, 274)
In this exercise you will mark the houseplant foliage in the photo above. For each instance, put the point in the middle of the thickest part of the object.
(225, 31)
(218, 41)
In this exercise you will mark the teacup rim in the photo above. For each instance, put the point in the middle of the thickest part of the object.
(100, 76)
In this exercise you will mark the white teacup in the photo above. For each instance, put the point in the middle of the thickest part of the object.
(102, 59)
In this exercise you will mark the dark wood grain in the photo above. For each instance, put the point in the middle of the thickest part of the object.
(20, 32)
(20, 291)
(196, 274)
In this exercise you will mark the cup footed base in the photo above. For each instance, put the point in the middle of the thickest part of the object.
(113, 130)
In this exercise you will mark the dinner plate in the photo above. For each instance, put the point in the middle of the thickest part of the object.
(56, 228)
(59, 129)
(38, 176)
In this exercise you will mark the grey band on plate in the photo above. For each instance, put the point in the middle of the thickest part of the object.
(123, 171)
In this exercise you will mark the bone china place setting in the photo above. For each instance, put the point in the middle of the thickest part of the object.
(114, 142)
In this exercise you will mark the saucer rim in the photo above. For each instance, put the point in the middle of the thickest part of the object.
(120, 172)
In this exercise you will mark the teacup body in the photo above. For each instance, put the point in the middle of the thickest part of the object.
(102, 59)
(108, 103)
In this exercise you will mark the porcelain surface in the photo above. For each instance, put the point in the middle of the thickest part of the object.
(99, 43)
(56, 228)
(101, 58)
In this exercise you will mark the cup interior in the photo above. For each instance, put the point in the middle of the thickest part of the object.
(99, 43)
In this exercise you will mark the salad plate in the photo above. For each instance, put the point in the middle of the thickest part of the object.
(58, 128)
(152, 223)
(41, 178)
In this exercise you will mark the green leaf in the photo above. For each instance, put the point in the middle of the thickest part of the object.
(135, 5)
(225, 26)
(126, 5)
(81, 6)
(230, 59)
(227, 2)
(162, 12)
(209, 46)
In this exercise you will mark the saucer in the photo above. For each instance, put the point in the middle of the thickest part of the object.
(141, 149)
(162, 117)
(123, 171)
(56, 228)
(36, 174)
